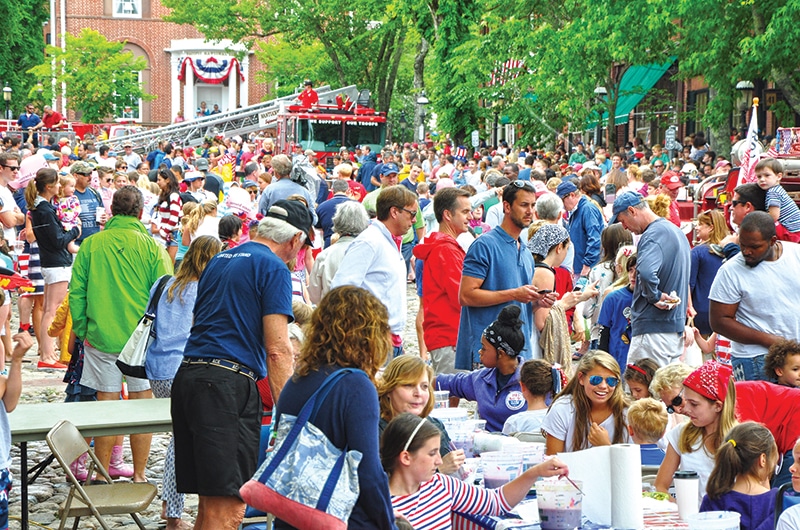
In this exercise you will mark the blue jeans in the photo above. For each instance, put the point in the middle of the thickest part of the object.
(397, 351)
(749, 368)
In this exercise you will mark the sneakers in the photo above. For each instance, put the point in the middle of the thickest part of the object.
(78, 468)
(51, 366)
(117, 467)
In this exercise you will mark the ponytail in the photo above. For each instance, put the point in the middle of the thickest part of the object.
(30, 194)
(738, 455)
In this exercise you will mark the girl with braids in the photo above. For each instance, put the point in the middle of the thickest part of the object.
(590, 411)
(166, 352)
(495, 387)
(745, 463)
(708, 399)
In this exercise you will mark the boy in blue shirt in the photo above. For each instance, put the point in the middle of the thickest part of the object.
(647, 423)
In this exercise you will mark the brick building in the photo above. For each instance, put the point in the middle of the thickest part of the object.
(183, 70)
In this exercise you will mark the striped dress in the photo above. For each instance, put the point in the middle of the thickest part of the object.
(432, 507)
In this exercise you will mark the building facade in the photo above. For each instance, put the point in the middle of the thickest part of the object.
(182, 69)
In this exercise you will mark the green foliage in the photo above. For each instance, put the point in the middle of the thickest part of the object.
(22, 45)
(99, 75)
(288, 65)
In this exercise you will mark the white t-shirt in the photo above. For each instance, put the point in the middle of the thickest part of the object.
(790, 519)
(766, 294)
(10, 234)
(209, 226)
(525, 421)
(698, 460)
(559, 422)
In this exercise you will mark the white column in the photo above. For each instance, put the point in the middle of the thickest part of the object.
(175, 85)
(232, 90)
(188, 94)
(244, 88)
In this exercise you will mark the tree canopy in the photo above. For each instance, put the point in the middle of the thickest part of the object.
(22, 45)
(100, 76)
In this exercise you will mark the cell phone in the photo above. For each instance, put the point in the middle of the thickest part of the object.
(545, 291)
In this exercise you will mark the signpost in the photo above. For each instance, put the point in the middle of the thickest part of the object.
(476, 139)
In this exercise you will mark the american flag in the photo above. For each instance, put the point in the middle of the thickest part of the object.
(507, 71)
(461, 153)
(749, 160)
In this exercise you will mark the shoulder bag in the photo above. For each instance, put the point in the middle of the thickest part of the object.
(132, 357)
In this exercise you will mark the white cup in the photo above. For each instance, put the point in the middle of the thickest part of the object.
(98, 215)
(687, 488)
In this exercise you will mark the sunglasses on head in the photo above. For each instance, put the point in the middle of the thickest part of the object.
(598, 379)
(523, 185)
(677, 401)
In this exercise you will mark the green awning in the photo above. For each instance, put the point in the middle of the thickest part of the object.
(635, 84)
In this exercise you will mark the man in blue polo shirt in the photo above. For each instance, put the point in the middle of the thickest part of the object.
(498, 270)
(29, 121)
(240, 335)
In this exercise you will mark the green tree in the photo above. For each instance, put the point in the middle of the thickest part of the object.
(100, 77)
(364, 40)
(22, 45)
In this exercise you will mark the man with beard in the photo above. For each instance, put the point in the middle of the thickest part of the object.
(498, 269)
(753, 299)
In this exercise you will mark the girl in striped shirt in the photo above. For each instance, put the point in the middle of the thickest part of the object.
(169, 211)
(428, 500)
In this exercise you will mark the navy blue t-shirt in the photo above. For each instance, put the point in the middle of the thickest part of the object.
(325, 213)
(237, 289)
(615, 314)
(90, 201)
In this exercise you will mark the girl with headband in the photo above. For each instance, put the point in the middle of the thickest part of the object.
(495, 387)
(427, 499)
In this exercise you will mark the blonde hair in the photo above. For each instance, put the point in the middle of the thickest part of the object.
(670, 376)
(624, 253)
(659, 204)
(648, 419)
(634, 173)
(403, 370)
(716, 220)
(65, 180)
(727, 421)
(583, 407)
(552, 183)
(197, 215)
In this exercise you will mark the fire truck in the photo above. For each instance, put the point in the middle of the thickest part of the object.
(326, 128)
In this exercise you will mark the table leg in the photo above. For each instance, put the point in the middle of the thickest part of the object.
(23, 465)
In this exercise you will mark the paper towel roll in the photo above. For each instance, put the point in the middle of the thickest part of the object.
(626, 487)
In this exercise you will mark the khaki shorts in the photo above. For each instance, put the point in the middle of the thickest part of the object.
(101, 373)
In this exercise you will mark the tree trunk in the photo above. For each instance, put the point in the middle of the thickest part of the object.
(419, 79)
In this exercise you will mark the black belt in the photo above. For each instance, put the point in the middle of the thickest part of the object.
(233, 366)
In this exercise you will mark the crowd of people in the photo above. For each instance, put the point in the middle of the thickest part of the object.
(557, 290)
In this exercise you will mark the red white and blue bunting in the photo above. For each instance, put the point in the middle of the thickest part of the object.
(210, 69)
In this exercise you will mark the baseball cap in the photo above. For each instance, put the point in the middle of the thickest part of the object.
(127, 143)
(191, 176)
(294, 213)
(591, 165)
(565, 188)
(201, 164)
(82, 168)
(671, 180)
(722, 163)
(623, 202)
(249, 184)
(63, 140)
(389, 168)
(48, 155)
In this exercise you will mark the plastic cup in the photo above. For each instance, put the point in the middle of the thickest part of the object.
(559, 504)
(500, 468)
(532, 454)
(441, 399)
(714, 521)
(452, 418)
(98, 215)
(687, 488)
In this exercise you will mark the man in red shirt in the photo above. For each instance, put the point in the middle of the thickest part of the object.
(52, 119)
(308, 96)
(443, 260)
(670, 185)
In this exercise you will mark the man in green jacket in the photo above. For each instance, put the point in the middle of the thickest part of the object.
(123, 262)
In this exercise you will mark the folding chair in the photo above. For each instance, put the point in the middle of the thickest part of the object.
(787, 498)
(530, 437)
(114, 498)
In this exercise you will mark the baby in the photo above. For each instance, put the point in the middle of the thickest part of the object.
(69, 207)
(780, 206)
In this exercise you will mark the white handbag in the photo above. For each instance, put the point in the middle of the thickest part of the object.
(133, 355)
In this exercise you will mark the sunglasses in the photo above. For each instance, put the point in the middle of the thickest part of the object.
(738, 203)
(523, 185)
(598, 379)
(413, 214)
(677, 401)
(12, 168)
(123, 167)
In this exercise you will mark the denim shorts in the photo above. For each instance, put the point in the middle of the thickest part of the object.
(749, 368)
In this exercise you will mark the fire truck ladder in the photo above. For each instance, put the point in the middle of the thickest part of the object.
(240, 121)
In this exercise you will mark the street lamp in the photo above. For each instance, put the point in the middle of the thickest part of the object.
(7, 98)
(403, 124)
(599, 93)
(422, 100)
(745, 89)
(496, 105)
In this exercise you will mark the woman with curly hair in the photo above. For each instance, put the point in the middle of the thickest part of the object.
(590, 411)
(349, 329)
